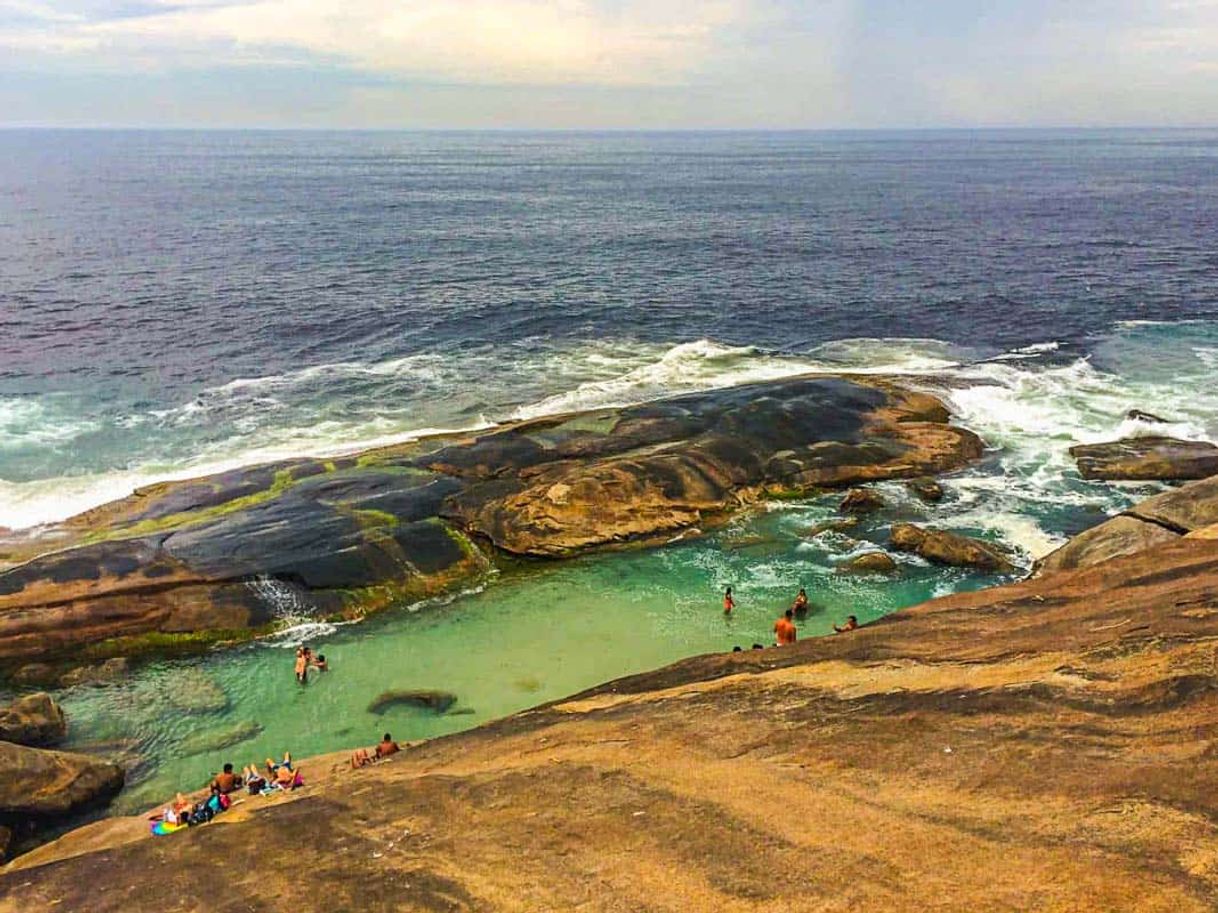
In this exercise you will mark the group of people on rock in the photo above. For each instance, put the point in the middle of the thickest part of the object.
(305, 660)
(365, 756)
(785, 632)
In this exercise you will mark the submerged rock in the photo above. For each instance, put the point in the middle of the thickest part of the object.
(861, 501)
(949, 548)
(34, 720)
(437, 701)
(194, 691)
(1147, 459)
(840, 526)
(112, 670)
(869, 563)
(39, 782)
(1137, 415)
(219, 739)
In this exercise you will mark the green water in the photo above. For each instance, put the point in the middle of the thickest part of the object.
(528, 637)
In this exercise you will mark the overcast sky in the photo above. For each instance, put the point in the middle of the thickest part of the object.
(608, 63)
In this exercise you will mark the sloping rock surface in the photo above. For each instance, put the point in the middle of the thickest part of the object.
(1154, 521)
(1047, 745)
(231, 552)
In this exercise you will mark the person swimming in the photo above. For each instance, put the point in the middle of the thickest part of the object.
(784, 629)
(850, 625)
(320, 663)
(728, 602)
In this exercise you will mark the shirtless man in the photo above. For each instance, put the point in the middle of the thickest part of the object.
(387, 747)
(850, 625)
(784, 629)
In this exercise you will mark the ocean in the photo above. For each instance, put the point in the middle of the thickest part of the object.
(174, 303)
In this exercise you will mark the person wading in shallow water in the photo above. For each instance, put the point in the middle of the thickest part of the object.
(784, 629)
(302, 666)
(800, 605)
(728, 602)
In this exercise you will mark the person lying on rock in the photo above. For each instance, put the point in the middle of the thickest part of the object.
(850, 625)
(287, 779)
(784, 629)
(254, 781)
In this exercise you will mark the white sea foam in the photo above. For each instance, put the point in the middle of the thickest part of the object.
(1028, 405)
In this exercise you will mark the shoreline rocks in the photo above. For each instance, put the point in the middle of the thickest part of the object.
(1153, 458)
(861, 501)
(34, 720)
(435, 701)
(869, 563)
(947, 548)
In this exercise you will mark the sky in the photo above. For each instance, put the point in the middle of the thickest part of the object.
(606, 64)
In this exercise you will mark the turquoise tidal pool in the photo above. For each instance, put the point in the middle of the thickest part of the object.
(528, 636)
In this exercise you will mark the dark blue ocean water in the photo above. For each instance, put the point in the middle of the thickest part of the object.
(173, 299)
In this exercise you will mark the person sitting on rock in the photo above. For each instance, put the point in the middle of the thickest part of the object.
(226, 781)
(784, 629)
(850, 625)
(728, 602)
(387, 747)
(800, 605)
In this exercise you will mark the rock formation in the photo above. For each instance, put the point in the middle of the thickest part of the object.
(869, 563)
(1147, 459)
(1154, 521)
(181, 564)
(947, 548)
(33, 720)
(861, 501)
(1045, 745)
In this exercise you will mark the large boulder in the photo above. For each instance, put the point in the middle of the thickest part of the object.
(1155, 521)
(426, 699)
(33, 720)
(1147, 459)
(928, 490)
(41, 783)
(949, 548)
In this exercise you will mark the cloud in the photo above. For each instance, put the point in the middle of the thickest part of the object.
(629, 42)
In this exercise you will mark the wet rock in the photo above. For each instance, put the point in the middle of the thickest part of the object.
(927, 489)
(112, 670)
(840, 525)
(37, 674)
(218, 739)
(34, 720)
(869, 563)
(195, 691)
(1147, 459)
(437, 701)
(6, 837)
(861, 501)
(949, 548)
(1137, 415)
(39, 782)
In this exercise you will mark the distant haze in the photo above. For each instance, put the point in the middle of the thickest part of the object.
(608, 63)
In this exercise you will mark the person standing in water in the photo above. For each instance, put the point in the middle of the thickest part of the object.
(728, 602)
(302, 666)
(800, 605)
(784, 629)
